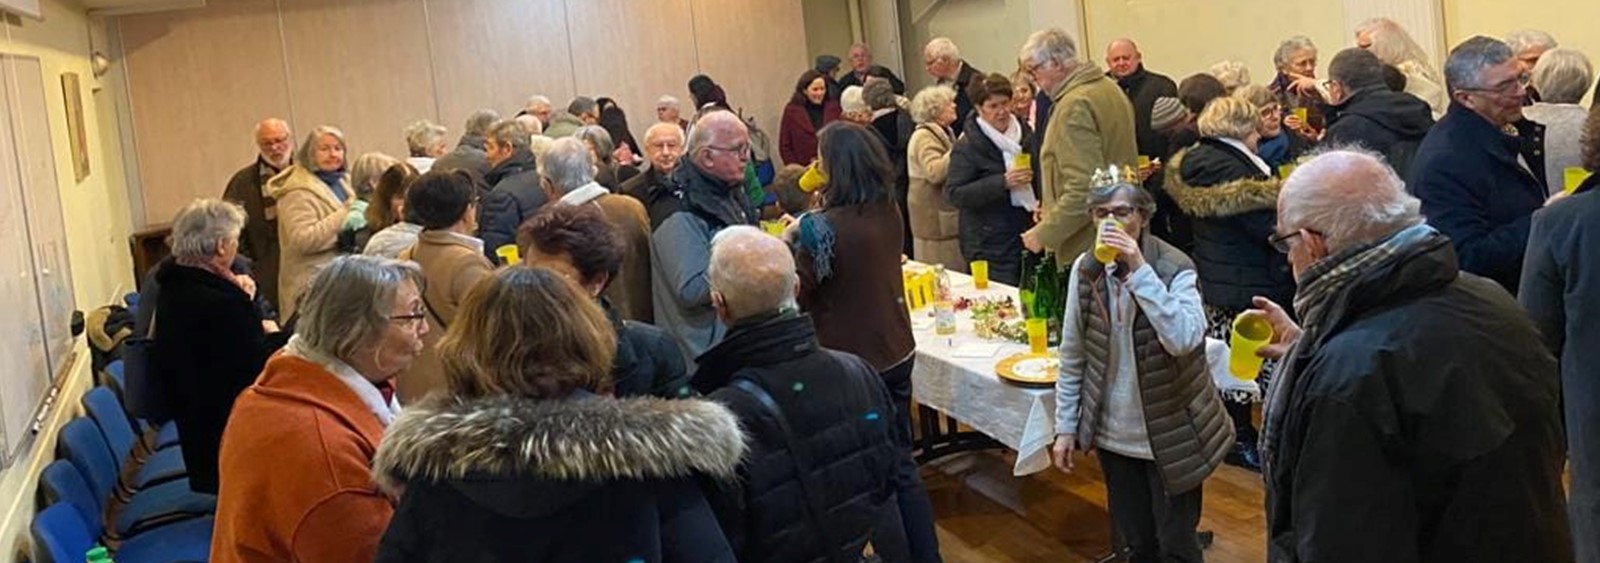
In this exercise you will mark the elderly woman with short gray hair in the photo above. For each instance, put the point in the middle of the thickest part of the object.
(935, 224)
(1561, 77)
(610, 173)
(315, 204)
(216, 334)
(1296, 85)
(301, 439)
(425, 143)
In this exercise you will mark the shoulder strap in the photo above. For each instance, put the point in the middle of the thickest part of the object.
(798, 458)
(408, 254)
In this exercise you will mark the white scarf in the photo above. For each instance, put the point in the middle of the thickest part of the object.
(363, 388)
(584, 194)
(1254, 158)
(1010, 145)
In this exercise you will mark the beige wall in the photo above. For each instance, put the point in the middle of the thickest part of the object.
(97, 215)
(828, 30)
(373, 66)
(1182, 37)
(988, 32)
(1570, 21)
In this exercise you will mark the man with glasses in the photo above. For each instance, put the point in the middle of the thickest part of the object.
(706, 195)
(1415, 414)
(1480, 172)
(1366, 112)
(247, 187)
(663, 147)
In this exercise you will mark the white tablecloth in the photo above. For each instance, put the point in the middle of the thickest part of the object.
(968, 390)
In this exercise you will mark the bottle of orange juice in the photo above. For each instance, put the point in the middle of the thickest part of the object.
(1103, 252)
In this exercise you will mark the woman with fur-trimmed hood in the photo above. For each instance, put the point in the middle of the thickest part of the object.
(1232, 196)
(524, 459)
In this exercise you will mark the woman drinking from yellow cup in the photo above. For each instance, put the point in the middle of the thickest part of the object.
(1133, 368)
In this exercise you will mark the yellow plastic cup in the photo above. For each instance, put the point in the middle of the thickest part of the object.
(1251, 331)
(1103, 252)
(980, 273)
(1023, 160)
(1038, 337)
(813, 179)
(1574, 177)
(509, 254)
(1284, 170)
(1301, 113)
(774, 228)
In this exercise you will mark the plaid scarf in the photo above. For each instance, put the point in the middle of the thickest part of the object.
(1324, 289)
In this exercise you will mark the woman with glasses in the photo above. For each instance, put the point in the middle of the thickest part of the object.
(996, 191)
(452, 261)
(1232, 196)
(1275, 147)
(1134, 384)
(296, 462)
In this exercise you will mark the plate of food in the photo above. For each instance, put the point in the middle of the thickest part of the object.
(1029, 369)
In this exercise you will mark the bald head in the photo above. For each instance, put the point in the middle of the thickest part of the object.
(751, 273)
(275, 141)
(1350, 196)
(720, 146)
(663, 144)
(1123, 57)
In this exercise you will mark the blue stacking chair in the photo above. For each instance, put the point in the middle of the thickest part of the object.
(62, 483)
(60, 536)
(84, 446)
(159, 467)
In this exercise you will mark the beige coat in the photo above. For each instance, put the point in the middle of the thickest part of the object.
(1091, 127)
(630, 292)
(935, 226)
(309, 221)
(450, 266)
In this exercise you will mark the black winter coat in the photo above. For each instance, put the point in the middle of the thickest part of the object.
(894, 129)
(1234, 209)
(1143, 88)
(991, 228)
(469, 154)
(1475, 191)
(515, 195)
(822, 448)
(210, 347)
(648, 362)
(1391, 123)
(964, 104)
(655, 191)
(1422, 427)
(578, 480)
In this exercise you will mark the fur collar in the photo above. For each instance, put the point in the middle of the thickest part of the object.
(1222, 200)
(589, 438)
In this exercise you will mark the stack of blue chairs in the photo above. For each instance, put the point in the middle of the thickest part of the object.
(111, 487)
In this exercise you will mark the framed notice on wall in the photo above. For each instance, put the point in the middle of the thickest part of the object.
(76, 135)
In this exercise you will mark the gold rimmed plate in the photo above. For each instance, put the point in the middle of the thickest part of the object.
(1029, 370)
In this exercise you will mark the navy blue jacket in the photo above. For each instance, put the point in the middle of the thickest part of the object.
(1474, 190)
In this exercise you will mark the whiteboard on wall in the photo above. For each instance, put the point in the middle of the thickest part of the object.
(28, 8)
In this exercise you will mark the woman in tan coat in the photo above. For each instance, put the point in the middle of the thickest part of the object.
(314, 204)
(935, 230)
(452, 260)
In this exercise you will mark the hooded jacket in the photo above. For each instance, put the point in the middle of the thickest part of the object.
(1234, 209)
(515, 195)
(1391, 123)
(310, 218)
(1424, 427)
(581, 479)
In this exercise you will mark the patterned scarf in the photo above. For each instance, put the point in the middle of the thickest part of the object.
(1324, 289)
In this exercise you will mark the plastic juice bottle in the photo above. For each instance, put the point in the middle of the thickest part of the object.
(944, 307)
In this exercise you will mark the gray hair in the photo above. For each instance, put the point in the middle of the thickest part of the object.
(1228, 117)
(1349, 195)
(509, 132)
(670, 102)
(1289, 47)
(1464, 69)
(1232, 74)
(942, 48)
(306, 155)
(663, 129)
(582, 105)
(1528, 39)
(539, 145)
(878, 93)
(479, 122)
(203, 226)
(1050, 45)
(530, 124)
(600, 138)
(930, 101)
(1563, 76)
(709, 128)
(753, 271)
(1139, 197)
(568, 165)
(423, 135)
(537, 101)
(346, 307)
(854, 100)
(367, 168)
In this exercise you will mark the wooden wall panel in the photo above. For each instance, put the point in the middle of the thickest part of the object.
(495, 53)
(360, 65)
(755, 50)
(634, 52)
(193, 103)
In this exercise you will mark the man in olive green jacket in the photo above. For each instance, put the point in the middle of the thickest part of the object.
(1091, 127)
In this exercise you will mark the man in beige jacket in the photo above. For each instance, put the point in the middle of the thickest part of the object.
(1091, 127)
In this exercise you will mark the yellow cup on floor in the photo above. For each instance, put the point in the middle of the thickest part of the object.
(980, 273)
(1251, 331)
(1574, 176)
(509, 254)
(1038, 336)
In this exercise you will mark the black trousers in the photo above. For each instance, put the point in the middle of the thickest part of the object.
(1159, 527)
(916, 511)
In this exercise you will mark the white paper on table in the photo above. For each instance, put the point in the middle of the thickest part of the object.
(976, 350)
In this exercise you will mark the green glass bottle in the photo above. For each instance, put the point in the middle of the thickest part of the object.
(1025, 292)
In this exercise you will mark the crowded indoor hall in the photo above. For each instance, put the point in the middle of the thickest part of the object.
(859, 281)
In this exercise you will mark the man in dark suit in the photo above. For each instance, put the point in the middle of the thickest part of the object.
(943, 61)
(247, 187)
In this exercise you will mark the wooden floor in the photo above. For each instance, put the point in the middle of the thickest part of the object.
(986, 515)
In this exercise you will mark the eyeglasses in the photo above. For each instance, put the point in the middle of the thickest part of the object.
(1281, 242)
(736, 149)
(1121, 212)
(1510, 87)
(411, 320)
